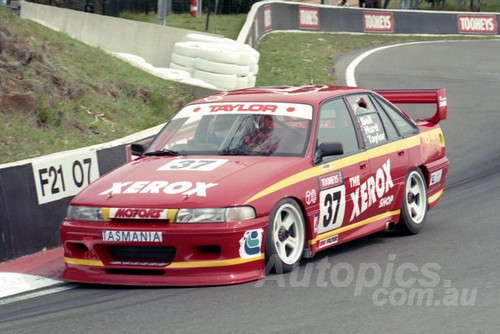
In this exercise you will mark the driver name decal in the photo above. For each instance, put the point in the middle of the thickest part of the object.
(243, 107)
(266, 108)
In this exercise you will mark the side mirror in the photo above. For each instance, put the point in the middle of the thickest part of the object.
(138, 149)
(328, 149)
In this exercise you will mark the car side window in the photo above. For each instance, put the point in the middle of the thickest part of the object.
(404, 126)
(335, 125)
(369, 120)
(390, 129)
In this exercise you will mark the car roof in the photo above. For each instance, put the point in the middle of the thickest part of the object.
(312, 94)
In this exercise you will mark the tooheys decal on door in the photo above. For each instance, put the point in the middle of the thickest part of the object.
(332, 201)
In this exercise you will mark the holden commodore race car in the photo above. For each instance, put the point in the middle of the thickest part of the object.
(251, 181)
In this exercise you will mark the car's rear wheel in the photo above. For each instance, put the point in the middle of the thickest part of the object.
(285, 236)
(414, 207)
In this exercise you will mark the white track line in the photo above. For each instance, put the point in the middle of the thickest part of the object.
(349, 72)
(15, 287)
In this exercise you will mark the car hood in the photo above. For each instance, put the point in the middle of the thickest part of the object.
(176, 182)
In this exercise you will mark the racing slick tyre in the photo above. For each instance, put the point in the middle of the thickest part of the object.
(414, 207)
(285, 236)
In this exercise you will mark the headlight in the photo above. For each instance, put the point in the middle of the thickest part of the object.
(85, 213)
(215, 215)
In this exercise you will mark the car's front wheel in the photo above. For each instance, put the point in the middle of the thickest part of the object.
(414, 207)
(285, 236)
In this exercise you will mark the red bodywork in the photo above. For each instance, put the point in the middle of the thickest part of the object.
(141, 199)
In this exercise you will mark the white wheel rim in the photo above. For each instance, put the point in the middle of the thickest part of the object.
(288, 234)
(416, 197)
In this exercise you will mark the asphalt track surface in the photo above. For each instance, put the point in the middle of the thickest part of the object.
(366, 286)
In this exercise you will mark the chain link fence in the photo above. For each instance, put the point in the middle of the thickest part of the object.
(115, 7)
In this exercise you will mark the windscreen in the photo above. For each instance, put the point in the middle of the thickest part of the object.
(280, 129)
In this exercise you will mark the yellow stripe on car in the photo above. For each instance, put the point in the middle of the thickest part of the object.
(83, 262)
(215, 263)
(353, 226)
(435, 197)
(344, 162)
(182, 264)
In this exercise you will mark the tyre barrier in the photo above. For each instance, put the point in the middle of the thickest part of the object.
(221, 62)
(179, 73)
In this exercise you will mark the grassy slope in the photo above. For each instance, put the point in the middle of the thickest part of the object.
(313, 55)
(84, 95)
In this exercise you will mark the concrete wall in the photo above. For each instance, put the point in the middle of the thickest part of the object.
(152, 42)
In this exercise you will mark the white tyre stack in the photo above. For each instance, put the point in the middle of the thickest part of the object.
(221, 62)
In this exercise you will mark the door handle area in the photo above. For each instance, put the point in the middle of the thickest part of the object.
(401, 153)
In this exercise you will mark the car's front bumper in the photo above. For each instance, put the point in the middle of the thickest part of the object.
(165, 254)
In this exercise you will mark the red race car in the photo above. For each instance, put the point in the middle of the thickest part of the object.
(243, 181)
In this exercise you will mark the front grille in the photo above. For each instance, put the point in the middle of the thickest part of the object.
(142, 253)
(135, 272)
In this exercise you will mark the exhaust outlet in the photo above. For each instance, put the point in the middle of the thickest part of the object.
(390, 227)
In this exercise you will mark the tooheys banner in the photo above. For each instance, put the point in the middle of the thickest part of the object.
(378, 22)
(271, 16)
(477, 24)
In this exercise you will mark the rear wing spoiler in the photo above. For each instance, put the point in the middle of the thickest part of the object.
(420, 96)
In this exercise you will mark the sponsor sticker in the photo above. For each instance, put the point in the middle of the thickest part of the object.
(131, 236)
(373, 189)
(250, 243)
(386, 201)
(477, 24)
(443, 102)
(330, 180)
(378, 22)
(311, 196)
(134, 213)
(436, 177)
(308, 18)
(262, 108)
(185, 188)
(328, 241)
(327, 166)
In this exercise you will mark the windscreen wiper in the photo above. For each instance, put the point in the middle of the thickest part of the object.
(235, 151)
(163, 152)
